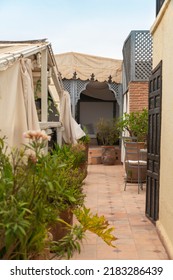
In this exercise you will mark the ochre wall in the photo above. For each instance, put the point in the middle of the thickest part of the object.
(162, 33)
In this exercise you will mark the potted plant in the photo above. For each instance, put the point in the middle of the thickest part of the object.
(107, 135)
(135, 123)
(35, 188)
(67, 194)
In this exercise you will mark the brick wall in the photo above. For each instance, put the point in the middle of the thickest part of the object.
(138, 96)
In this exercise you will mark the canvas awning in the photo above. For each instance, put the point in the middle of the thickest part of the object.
(17, 105)
(85, 67)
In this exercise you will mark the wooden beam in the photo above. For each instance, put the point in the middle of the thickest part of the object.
(44, 86)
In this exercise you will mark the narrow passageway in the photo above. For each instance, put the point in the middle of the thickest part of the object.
(125, 210)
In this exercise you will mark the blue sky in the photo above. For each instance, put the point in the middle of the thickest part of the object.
(96, 27)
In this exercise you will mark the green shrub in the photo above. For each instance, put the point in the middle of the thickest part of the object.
(136, 123)
(107, 132)
(34, 189)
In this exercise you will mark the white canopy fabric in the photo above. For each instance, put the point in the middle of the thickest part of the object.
(17, 107)
(85, 65)
(72, 131)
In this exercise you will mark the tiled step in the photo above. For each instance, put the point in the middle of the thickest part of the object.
(94, 155)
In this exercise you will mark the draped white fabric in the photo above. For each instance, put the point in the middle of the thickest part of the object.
(17, 107)
(72, 130)
(28, 92)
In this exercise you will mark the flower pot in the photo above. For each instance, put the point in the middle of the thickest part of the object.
(108, 155)
(58, 229)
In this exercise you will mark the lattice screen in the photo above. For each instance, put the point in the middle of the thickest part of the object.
(75, 86)
(143, 55)
(137, 56)
(116, 89)
(67, 85)
(81, 86)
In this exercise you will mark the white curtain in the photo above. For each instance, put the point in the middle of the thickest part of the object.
(17, 107)
(28, 93)
(72, 131)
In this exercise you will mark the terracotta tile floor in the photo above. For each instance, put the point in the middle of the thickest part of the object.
(125, 210)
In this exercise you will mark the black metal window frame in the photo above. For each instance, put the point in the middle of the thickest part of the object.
(159, 4)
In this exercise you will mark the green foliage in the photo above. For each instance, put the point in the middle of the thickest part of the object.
(75, 154)
(136, 123)
(35, 188)
(18, 226)
(96, 224)
(86, 138)
(107, 132)
(65, 247)
(70, 243)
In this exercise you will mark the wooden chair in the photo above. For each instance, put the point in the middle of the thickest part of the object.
(135, 166)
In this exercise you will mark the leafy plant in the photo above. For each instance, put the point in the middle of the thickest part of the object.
(19, 206)
(70, 243)
(34, 189)
(75, 156)
(107, 132)
(136, 123)
(96, 224)
(28, 181)
(86, 138)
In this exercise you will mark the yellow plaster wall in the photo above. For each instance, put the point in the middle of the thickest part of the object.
(162, 32)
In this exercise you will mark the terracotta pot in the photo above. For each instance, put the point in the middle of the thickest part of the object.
(108, 155)
(58, 229)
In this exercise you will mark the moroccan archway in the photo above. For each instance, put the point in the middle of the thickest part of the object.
(92, 79)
